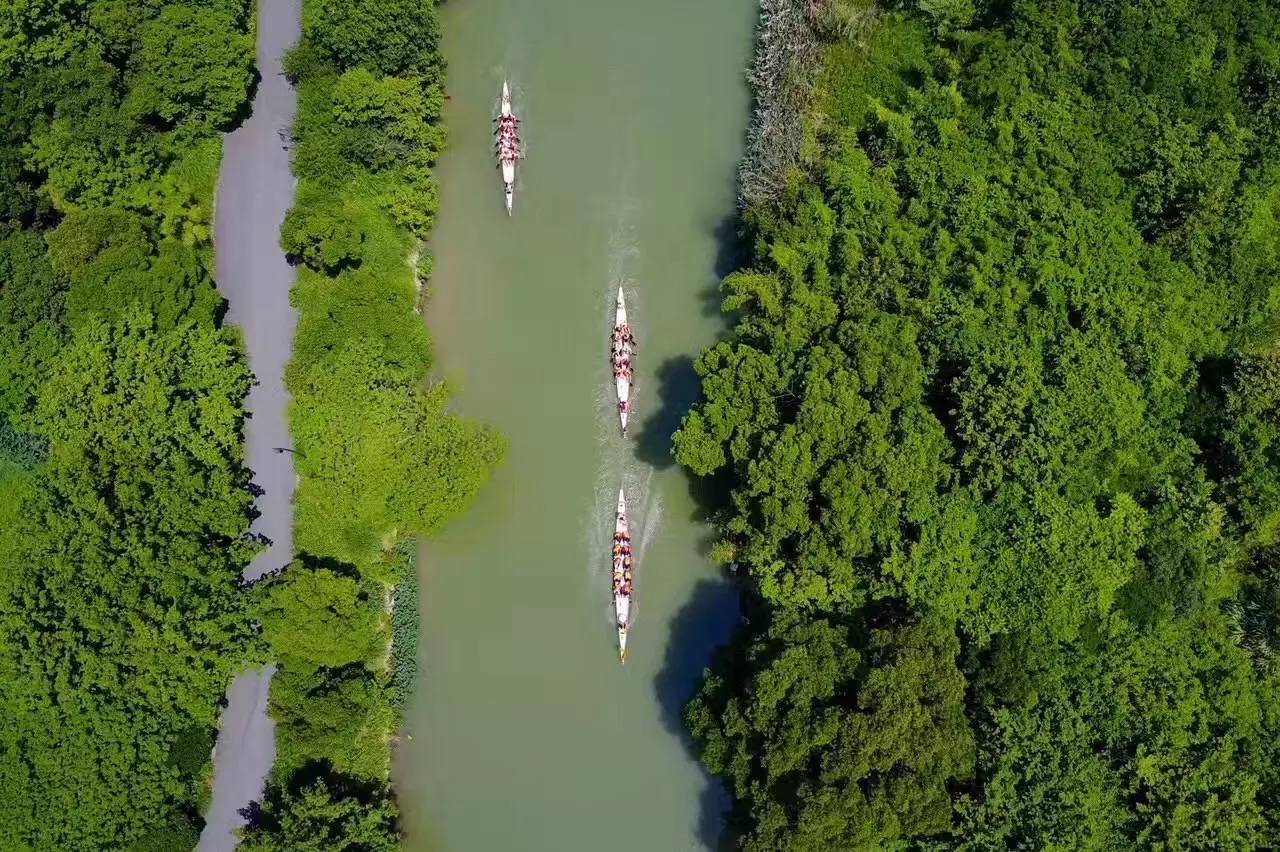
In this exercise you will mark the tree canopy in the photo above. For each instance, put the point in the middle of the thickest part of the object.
(124, 504)
(998, 420)
(319, 818)
(122, 621)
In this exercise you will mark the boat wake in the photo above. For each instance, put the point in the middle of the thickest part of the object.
(617, 465)
(624, 248)
(650, 514)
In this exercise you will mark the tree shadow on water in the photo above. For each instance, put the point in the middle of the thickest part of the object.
(731, 249)
(730, 257)
(678, 384)
(703, 624)
(678, 389)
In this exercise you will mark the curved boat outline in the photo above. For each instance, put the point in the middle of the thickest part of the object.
(622, 383)
(621, 593)
(508, 147)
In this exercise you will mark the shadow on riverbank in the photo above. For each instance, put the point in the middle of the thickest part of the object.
(703, 624)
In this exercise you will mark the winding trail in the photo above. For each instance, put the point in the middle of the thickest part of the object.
(255, 189)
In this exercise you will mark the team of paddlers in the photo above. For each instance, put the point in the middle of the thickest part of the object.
(622, 564)
(620, 352)
(507, 145)
(622, 348)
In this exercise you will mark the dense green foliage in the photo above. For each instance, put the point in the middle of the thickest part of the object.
(406, 624)
(999, 420)
(379, 457)
(321, 818)
(329, 635)
(124, 508)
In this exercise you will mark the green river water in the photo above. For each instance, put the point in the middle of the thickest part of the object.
(527, 733)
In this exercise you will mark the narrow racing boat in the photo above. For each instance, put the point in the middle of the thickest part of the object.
(621, 353)
(621, 554)
(508, 146)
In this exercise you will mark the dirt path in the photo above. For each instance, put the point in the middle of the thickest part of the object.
(255, 189)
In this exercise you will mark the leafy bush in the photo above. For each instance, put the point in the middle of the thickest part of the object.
(20, 448)
(380, 456)
(400, 109)
(124, 507)
(321, 240)
(192, 63)
(177, 833)
(893, 725)
(112, 264)
(320, 619)
(406, 623)
(343, 716)
(384, 36)
(125, 635)
(332, 814)
(32, 325)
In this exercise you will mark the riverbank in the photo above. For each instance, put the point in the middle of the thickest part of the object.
(378, 457)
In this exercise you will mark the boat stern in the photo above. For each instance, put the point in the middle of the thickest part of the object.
(622, 644)
(510, 193)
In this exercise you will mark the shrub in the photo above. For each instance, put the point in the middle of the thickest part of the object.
(321, 240)
(386, 36)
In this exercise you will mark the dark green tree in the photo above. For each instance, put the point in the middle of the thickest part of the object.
(827, 748)
(1003, 361)
(324, 816)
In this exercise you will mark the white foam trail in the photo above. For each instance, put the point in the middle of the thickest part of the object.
(617, 464)
(598, 532)
(624, 249)
(651, 513)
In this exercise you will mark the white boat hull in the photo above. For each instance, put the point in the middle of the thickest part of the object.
(507, 163)
(621, 602)
(623, 627)
(622, 385)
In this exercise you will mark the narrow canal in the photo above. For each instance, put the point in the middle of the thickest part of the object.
(528, 734)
